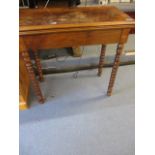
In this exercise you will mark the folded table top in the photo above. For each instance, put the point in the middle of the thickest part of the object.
(79, 17)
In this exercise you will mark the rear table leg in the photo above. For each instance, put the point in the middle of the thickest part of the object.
(101, 61)
(38, 65)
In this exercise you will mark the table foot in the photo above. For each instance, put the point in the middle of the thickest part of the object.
(35, 83)
(101, 61)
(115, 68)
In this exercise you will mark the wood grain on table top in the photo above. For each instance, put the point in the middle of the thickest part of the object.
(35, 19)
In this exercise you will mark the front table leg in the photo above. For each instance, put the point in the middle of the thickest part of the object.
(115, 68)
(101, 61)
(31, 74)
(38, 65)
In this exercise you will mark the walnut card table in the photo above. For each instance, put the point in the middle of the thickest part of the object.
(71, 27)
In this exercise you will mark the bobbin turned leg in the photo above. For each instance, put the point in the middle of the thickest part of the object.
(115, 68)
(38, 65)
(101, 61)
(31, 74)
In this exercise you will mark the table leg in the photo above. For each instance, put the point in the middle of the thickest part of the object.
(115, 68)
(38, 65)
(31, 74)
(101, 61)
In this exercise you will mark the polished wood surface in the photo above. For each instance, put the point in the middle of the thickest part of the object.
(39, 19)
(72, 27)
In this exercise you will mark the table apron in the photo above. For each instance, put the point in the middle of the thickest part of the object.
(70, 39)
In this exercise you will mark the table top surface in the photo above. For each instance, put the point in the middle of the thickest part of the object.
(35, 19)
